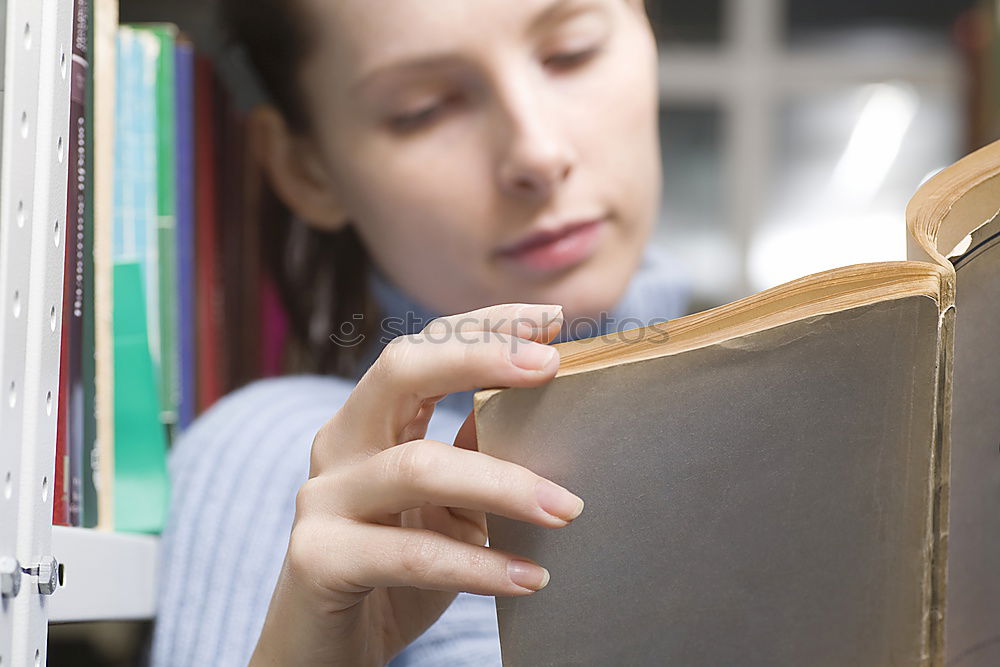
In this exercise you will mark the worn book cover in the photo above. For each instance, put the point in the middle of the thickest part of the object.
(768, 482)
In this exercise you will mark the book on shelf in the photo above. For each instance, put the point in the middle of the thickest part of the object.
(71, 449)
(768, 482)
(162, 207)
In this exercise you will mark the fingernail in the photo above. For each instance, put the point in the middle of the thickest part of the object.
(532, 356)
(533, 319)
(527, 575)
(557, 501)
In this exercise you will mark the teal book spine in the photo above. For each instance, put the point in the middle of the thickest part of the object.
(141, 485)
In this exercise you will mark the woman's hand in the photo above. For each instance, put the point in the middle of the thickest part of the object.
(390, 526)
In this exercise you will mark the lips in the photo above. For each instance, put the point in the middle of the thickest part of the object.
(544, 236)
(547, 251)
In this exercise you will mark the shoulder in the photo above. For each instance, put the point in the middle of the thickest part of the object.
(234, 474)
(264, 414)
(278, 395)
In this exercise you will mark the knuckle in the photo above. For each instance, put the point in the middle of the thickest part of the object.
(395, 357)
(411, 462)
(418, 554)
(327, 444)
(436, 325)
(304, 547)
(318, 447)
(306, 498)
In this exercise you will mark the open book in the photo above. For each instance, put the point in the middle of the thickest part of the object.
(768, 482)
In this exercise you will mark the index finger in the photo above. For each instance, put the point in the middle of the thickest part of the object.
(452, 354)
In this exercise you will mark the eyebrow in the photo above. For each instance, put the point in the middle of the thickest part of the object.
(547, 15)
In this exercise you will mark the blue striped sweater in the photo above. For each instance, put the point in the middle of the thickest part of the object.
(235, 473)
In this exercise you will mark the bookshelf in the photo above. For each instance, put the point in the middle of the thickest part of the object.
(105, 575)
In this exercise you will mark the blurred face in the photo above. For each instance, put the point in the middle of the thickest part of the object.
(490, 151)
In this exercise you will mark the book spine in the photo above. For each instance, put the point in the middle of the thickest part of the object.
(76, 215)
(105, 82)
(185, 230)
(166, 223)
(60, 486)
(89, 513)
(140, 480)
(209, 298)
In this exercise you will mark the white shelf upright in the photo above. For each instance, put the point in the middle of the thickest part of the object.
(33, 181)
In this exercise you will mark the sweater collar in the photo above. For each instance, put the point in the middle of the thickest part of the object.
(655, 293)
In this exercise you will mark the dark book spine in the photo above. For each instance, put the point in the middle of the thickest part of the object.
(76, 216)
(184, 115)
(60, 486)
(88, 362)
(208, 296)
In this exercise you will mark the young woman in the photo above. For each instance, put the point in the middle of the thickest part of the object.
(438, 159)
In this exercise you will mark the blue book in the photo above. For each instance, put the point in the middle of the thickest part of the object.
(184, 115)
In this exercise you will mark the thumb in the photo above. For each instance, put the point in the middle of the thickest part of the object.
(466, 437)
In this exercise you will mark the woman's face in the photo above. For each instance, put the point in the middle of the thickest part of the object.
(450, 131)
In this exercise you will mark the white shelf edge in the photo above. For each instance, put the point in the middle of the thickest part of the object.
(108, 576)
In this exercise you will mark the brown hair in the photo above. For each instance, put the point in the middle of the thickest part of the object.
(322, 277)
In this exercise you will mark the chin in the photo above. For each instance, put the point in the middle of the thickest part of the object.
(597, 286)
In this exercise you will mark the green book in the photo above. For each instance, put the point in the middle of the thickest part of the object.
(166, 355)
(141, 485)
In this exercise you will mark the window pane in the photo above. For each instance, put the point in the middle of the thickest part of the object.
(809, 20)
(692, 225)
(846, 164)
(682, 22)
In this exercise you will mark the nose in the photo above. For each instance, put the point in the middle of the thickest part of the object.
(536, 155)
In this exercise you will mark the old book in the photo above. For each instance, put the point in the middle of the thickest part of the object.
(767, 482)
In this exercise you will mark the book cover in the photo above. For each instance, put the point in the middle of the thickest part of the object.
(89, 512)
(209, 298)
(70, 443)
(140, 475)
(105, 83)
(164, 260)
(185, 271)
(75, 293)
(792, 478)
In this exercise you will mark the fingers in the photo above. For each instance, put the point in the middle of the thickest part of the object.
(466, 437)
(451, 354)
(356, 557)
(426, 472)
(537, 322)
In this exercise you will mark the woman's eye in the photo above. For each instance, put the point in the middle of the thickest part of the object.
(416, 119)
(564, 60)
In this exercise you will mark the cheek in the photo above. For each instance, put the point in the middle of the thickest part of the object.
(429, 200)
(620, 127)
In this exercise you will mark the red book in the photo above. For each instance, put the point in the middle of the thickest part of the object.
(208, 293)
(61, 484)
